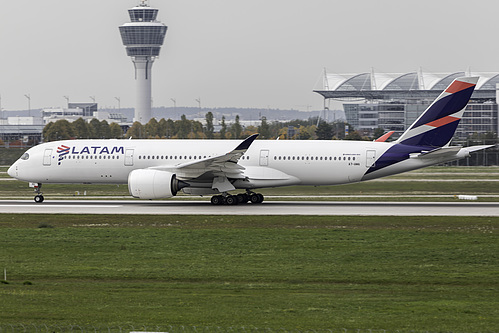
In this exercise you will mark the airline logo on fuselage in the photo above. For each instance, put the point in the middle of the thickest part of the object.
(98, 150)
(63, 151)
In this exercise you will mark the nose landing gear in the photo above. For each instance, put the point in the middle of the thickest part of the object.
(38, 190)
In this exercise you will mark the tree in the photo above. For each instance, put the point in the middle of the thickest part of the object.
(197, 130)
(378, 132)
(115, 131)
(236, 129)
(152, 128)
(223, 130)
(60, 130)
(324, 131)
(162, 128)
(303, 133)
(136, 131)
(249, 130)
(209, 125)
(170, 129)
(184, 127)
(81, 129)
(104, 131)
(264, 129)
(94, 128)
(353, 135)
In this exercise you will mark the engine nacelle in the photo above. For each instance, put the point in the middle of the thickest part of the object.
(153, 184)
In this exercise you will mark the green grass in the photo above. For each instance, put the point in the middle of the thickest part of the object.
(416, 273)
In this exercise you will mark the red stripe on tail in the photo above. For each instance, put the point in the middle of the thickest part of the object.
(457, 86)
(442, 121)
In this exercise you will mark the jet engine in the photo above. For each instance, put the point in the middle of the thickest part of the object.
(154, 184)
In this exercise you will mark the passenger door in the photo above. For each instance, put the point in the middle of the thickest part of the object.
(370, 158)
(264, 157)
(129, 157)
(47, 157)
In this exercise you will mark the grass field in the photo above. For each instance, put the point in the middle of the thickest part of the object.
(295, 273)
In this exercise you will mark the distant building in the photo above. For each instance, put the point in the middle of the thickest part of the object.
(87, 113)
(87, 108)
(394, 101)
(27, 130)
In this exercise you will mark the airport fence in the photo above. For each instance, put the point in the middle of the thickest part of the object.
(41, 328)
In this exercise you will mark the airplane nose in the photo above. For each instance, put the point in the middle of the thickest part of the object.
(12, 171)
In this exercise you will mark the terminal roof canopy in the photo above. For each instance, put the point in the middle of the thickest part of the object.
(390, 85)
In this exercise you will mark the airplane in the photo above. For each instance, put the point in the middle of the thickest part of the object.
(159, 169)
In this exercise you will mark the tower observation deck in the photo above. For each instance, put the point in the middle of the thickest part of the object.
(143, 38)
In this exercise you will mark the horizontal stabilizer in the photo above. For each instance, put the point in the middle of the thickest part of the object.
(437, 153)
(447, 152)
(477, 148)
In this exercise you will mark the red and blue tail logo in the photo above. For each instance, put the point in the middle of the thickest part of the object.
(436, 126)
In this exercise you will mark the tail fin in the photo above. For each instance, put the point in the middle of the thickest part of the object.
(436, 126)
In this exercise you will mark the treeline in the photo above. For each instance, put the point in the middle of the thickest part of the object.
(80, 129)
(192, 129)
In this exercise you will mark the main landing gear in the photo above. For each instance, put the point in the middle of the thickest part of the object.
(241, 198)
(39, 196)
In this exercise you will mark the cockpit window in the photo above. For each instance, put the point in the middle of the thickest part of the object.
(25, 156)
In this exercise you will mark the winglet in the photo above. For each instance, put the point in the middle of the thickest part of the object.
(247, 142)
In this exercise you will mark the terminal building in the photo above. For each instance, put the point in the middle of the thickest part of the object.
(394, 101)
(29, 129)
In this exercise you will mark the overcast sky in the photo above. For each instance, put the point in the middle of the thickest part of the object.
(253, 53)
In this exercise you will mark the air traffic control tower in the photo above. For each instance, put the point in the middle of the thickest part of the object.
(143, 38)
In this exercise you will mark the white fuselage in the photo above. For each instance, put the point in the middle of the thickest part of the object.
(267, 163)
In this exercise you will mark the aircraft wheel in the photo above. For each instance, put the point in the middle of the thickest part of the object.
(217, 200)
(39, 198)
(242, 198)
(231, 200)
(256, 198)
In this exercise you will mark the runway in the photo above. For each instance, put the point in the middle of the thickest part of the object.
(173, 207)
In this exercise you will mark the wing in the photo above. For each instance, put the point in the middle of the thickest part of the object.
(225, 166)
